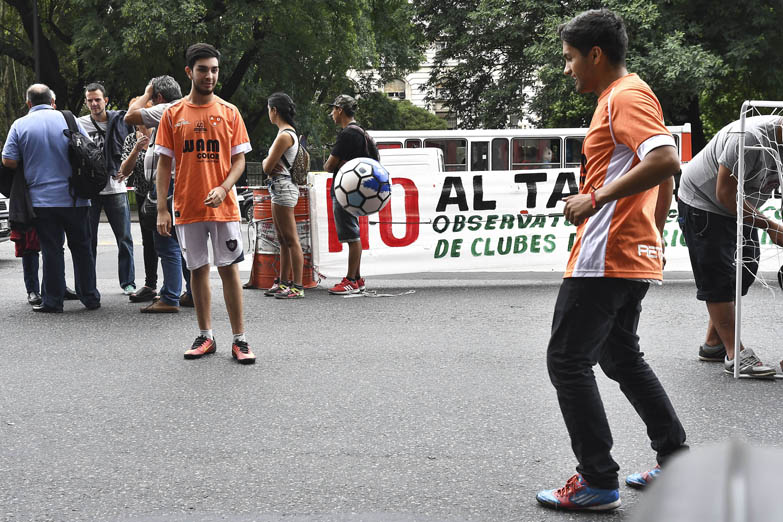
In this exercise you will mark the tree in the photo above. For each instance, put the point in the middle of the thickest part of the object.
(701, 57)
(378, 112)
(299, 47)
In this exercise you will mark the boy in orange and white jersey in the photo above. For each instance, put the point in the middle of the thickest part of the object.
(207, 137)
(626, 185)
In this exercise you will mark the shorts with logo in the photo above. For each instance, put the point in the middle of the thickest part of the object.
(346, 224)
(226, 238)
(712, 241)
(284, 191)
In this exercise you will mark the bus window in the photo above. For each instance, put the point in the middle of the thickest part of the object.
(454, 152)
(479, 155)
(573, 150)
(388, 145)
(412, 144)
(535, 153)
(500, 154)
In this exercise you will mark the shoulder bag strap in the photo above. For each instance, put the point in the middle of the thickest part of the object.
(97, 128)
(285, 161)
(70, 120)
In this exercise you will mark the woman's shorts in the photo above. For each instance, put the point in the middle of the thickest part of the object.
(284, 192)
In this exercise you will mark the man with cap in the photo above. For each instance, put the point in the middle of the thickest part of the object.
(352, 142)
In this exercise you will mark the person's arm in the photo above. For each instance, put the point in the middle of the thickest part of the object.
(162, 182)
(333, 163)
(664, 203)
(657, 166)
(726, 193)
(282, 143)
(129, 163)
(133, 116)
(218, 194)
(11, 164)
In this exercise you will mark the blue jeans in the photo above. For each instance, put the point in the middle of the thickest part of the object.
(54, 224)
(173, 268)
(118, 213)
(30, 270)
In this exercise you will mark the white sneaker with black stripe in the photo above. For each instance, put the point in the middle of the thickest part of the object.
(750, 365)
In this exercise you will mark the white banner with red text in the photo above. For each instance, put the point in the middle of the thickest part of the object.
(498, 221)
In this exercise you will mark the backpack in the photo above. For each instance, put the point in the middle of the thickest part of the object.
(301, 165)
(89, 173)
(369, 145)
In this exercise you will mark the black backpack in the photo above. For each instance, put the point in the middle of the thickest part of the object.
(90, 174)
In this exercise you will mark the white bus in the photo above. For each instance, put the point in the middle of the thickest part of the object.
(508, 149)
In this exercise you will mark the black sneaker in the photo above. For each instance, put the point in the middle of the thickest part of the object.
(34, 298)
(712, 353)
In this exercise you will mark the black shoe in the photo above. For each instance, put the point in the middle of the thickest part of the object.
(34, 298)
(46, 309)
(70, 295)
(145, 294)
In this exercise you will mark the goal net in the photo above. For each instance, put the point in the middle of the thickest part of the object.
(759, 179)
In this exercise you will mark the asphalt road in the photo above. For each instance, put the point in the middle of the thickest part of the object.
(432, 406)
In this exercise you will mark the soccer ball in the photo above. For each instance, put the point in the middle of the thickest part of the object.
(362, 186)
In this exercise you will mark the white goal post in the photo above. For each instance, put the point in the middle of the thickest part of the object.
(748, 108)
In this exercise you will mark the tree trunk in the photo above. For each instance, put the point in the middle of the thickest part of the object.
(697, 129)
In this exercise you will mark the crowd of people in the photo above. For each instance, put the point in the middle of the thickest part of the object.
(198, 143)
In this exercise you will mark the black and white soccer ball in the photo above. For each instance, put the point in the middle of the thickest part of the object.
(362, 186)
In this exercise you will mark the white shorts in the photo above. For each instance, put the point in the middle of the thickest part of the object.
(226, 237)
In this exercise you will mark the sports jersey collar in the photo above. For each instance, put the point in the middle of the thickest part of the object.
(614, 84)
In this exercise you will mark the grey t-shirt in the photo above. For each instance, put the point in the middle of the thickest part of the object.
(762, 176)
(151, 117)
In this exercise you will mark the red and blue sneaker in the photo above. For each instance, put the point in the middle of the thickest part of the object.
(577, 495)
(643, 479)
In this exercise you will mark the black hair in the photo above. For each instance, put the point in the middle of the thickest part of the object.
(348, 111)
(597, 28)
(95, 87)
(198, 51)
(284, 105)
(167, 87)
(39, 94)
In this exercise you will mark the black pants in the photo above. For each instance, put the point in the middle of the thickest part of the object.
(54, 224)
(595, 321)
(150, 255)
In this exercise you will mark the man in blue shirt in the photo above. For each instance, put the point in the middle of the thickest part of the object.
(37, 141)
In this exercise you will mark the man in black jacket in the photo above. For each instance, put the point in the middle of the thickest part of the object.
(108, 129)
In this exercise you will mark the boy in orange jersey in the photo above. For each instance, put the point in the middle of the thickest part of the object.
(207, 139)
(626, 185)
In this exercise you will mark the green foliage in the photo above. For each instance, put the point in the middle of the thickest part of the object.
(701, 57)
(300, 47)
(378, 112)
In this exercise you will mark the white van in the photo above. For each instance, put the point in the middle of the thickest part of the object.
(401, 161)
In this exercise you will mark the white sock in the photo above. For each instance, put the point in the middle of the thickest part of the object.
(240, 337)
(207, 333)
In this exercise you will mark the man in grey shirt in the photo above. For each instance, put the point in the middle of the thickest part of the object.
(707, 209)
(162, 91)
